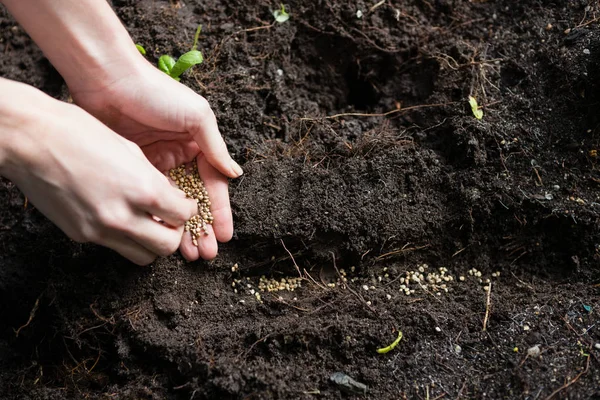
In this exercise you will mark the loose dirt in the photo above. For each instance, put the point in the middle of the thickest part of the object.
(360, 154)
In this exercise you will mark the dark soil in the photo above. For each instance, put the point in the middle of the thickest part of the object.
(516, 192)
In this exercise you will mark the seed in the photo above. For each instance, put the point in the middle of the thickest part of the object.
(188, 180)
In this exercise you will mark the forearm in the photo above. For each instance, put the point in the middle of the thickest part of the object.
(83, 39)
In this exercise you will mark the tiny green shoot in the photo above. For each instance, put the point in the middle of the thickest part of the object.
(141, 49)
(281, 15)
(477, 112)
(175, 68)
(391, 346)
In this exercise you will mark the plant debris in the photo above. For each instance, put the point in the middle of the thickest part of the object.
(347, 384)
(477, 112)
(391, 346)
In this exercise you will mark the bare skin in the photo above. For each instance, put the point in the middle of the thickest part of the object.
(82, 165)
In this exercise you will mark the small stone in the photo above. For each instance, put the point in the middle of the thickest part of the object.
(534, 351)
(359, 14)
(586, 51)
(365, 287)
(597, 346)
(457, 349)
(368, 303)
(388, 296)
(526, 327)
(438, 329)
(280, 72)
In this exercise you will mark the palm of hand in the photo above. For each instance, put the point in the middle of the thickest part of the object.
(170, 128)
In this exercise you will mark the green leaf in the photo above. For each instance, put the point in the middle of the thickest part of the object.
(281, 15)
(166, 64)
(141, 49)
(185, 62)
(391, 346)
(477, 112)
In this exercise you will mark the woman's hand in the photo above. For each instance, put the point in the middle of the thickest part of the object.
(92, 183)
(172, 125)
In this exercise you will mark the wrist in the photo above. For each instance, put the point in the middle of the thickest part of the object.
(20, 107)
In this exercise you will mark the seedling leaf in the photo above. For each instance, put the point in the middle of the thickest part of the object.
(141, 49)
(281, 15)
(391, 346)
(185, 62)
(166, 64)
(477, 112)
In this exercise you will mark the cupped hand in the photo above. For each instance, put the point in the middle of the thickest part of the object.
(92, 183)
(173, 125)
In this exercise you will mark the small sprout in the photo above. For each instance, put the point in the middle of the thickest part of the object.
(141, 49)
(281, 15)
(391, 346)
(175, 68)
(477, 112)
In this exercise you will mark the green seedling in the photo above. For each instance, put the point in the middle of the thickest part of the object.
(391, 346)
(141, 49)
(281, 15)
(175, 68)
(477, 112)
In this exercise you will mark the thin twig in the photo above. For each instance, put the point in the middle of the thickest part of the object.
(403, 250)
(572, 381)
(294, 261)
(362, 299)
(31, 316)
(487, 306)
(385, 114)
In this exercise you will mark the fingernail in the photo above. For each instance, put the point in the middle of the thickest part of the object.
(237, 169)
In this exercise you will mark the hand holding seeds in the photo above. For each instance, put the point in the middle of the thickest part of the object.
(93, 184)
(174, 126)
(170, 123)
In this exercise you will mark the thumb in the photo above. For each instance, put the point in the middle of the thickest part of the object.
(203, 128)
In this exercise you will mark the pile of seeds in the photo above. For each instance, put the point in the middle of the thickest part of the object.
(188, 180)
(274, 285)
(436, 281)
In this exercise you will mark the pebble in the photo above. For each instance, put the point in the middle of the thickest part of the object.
(365, 287)
(438, 329)
(534, 351)
(586, 51)
(388, 296)
(597, 346)
(280, 72)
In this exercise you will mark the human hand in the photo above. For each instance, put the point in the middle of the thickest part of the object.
(92, 183)
(173, 125)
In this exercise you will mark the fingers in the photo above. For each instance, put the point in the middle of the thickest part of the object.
(155, 236)
(131, 250)
(207, 246)
(217, 187)
(169, 204)
(204, 129)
